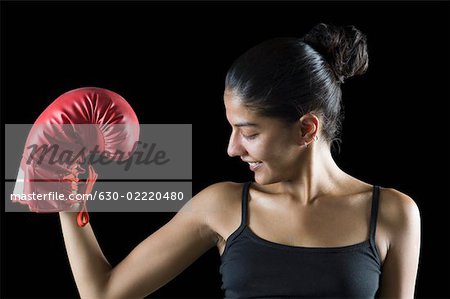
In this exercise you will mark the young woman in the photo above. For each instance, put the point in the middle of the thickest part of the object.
(304, 227)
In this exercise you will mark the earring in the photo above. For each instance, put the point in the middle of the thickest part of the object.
(316, 138)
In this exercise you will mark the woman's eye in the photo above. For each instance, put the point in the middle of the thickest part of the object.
(250, 137)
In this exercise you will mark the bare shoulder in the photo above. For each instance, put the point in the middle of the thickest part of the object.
(400, 220)
(398, 212)
(217, 206)
(222, 191)
(216, 197)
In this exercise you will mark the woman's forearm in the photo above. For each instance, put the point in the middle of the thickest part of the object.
(90, 268)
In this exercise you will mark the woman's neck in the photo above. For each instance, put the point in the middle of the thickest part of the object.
(317, 174)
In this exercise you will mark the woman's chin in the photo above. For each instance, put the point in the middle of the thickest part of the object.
(262, 179)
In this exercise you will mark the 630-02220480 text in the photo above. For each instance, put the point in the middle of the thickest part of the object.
(140, 195)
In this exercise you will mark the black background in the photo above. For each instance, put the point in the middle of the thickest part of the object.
(169, 61)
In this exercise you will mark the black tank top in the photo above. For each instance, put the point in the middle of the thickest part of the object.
(253, 267)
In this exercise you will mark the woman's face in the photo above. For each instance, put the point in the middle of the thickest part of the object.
(269, 145)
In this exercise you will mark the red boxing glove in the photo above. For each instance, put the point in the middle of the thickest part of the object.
(74, 125)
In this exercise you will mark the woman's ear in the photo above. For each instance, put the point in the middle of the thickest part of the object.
(309, 128)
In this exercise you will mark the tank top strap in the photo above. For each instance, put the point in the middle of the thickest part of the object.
(374, 211)
(373, 218)
(245, 203)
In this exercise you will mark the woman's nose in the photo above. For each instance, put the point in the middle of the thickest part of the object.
(235, 147)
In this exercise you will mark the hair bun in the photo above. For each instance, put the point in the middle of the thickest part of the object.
(343, 47)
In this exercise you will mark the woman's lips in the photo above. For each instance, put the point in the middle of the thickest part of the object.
(254, 165)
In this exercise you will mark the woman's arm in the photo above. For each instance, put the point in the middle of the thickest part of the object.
(401, 215)
(153, 263)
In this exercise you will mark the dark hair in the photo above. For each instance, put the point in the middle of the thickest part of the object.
(288, 77)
